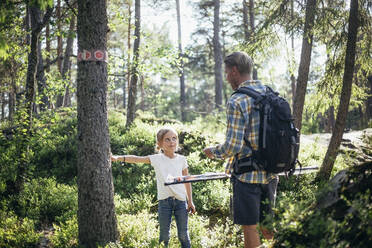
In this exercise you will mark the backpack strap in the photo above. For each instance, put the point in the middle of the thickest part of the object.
(257, 96)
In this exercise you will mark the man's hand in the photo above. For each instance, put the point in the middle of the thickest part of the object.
(208, 152)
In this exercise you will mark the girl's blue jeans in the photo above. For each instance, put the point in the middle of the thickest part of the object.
(166, 209)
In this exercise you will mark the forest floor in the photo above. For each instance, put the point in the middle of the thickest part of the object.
(359, 142)
(356, 137)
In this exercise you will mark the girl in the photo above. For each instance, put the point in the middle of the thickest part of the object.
(172, 199)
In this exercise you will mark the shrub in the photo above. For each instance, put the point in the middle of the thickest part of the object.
(56, 146)
(45, 201)
(65, 234)
(16, 232)
(140, 230)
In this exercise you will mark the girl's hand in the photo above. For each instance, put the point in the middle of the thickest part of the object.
(190, 207)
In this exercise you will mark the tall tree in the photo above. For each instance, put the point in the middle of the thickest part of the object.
(249, 27)
(181, 66)
(96, 210)
(59, 101)
(132, 93)
(334, 144)
(129, 3)
(37, 24)
(67, 61)
(41, 80)
(3, 104)
(292, 60)
(245, 21)
(217, 51)
(303, 70)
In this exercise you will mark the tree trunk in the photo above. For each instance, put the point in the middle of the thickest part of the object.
(132, 93)
(369, 101)
(59, 101)
(292, 62)
(12, 99)
(217, 55)
(124, 93)
(252, 33)
(245, 21)
(96, 212)
(330, 122)
(36, 27)
(129, 2)
(334, 144)
(67, 61)
(303, 70)
(181, 70)
(41, 80)
(142, 87)
(3, 103)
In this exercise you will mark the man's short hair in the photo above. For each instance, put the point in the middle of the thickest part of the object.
(242, 62)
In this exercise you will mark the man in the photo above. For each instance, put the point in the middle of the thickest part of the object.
(254, 191)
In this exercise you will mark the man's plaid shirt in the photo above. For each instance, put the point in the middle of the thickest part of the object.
(238, 111)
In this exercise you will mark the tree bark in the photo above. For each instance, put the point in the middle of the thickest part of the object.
(3, 103)
(132, 93)
(36, 27)
(292, 62)
(334, 144)
(180, 57)
(252, 33)
(245, 21)
(217, 55)
(129, 2)
(369, 100)
(59, 101)
(303, 70)
(96, 210)
(41, 80)
(67, 61)
(12, 99)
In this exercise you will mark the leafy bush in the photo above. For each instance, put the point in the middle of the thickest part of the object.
(223, 233)
(45, 201)
(65, 234)
(140, 230)
(16, 232)
(343, 223)
(56, 146)
(136, 204)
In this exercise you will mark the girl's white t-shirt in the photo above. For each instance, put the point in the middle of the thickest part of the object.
(164, 167)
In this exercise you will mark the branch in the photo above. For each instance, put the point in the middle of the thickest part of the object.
(71, 7)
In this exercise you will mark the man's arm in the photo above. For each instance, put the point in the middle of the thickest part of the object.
(234, 134)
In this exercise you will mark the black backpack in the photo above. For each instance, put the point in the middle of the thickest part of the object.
(278, 137)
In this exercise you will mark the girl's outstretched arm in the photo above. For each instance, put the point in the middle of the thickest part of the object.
(131, 159)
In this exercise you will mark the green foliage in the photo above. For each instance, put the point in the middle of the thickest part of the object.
(344, 223)
(222, 234)
(17, 232)
(56, 144)
(65, 234)
(135, 204)
(129, 226)
(45, 201)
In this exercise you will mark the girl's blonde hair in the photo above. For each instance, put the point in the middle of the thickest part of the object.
(160, 135)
